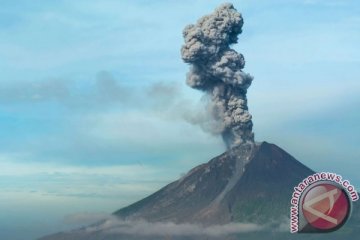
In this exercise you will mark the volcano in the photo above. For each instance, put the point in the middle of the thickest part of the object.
(250, 183)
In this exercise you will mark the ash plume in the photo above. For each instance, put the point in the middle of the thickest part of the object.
(216, 69)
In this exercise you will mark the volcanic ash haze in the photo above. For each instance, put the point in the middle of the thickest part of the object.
(216, 69)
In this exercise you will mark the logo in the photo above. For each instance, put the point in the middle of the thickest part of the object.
(321, 203)
(326, 207)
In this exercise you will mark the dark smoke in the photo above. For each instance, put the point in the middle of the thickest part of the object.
(216, 70)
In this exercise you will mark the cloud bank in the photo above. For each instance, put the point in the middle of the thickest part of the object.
(113, 225)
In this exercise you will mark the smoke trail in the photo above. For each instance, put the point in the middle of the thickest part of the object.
(216, 69)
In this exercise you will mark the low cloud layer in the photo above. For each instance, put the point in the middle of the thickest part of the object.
(113, 225)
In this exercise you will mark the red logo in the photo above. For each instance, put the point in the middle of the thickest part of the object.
(326, 207)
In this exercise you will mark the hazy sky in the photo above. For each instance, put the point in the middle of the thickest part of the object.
(93, 101)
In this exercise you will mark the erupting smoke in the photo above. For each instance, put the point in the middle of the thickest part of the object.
(216, 69)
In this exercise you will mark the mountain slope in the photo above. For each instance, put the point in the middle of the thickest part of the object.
(230, 187)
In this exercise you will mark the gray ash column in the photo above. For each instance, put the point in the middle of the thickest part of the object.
(216, 69)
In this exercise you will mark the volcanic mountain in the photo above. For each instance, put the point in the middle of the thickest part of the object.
(250, 183)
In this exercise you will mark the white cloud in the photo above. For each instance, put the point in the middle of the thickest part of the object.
(143, 228)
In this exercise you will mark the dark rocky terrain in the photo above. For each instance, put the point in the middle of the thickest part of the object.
(227, 189)
(247, 184)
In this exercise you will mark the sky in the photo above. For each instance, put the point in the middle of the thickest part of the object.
(94, 109)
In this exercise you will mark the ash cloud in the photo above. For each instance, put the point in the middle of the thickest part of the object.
(105, 89)
(101, 92)
(201, 115)
(216, 69)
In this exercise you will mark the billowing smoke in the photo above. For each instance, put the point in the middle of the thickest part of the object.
(217, 70)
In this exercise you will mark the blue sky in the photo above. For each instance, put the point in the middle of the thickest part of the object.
(93, 100)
